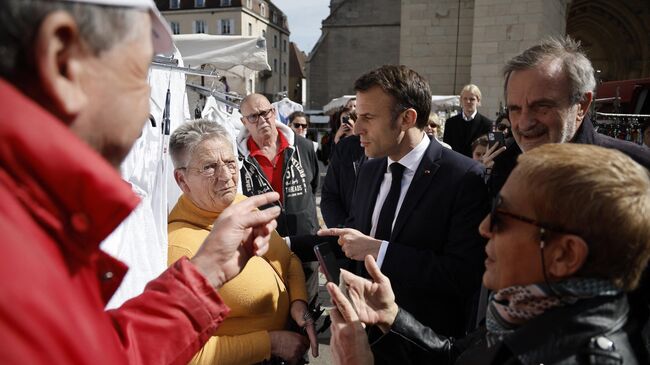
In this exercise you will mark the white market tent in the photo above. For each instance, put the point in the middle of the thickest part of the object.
(235, 55)
(437, 102)
(336, 103)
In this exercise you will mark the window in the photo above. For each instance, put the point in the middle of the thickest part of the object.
(284, 68)
(262, 9)
(249, 4)
(284, 45)
(275, 41)
(199, 26)
(274, 16)
(250, 29)
(174, 4)
(250, 86)
(275, 64)
(263, 33)
(226, 26)
(199, 3)
(226, 2)
(176, 28)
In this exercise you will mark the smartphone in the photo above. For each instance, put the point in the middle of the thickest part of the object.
(346, 120)
(496, 137)
(327, 261)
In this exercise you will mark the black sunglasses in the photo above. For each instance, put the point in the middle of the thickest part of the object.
(495, 212)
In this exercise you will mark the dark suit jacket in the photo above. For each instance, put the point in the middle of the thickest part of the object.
(338, 187)
(435, 255)
(460, 134)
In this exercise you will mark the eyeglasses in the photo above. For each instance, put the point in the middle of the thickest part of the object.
(299, 125)
(495, 212)
(255, 118)
(211, 169)
(502, 127)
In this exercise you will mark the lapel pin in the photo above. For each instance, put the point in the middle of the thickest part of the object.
(427, 172)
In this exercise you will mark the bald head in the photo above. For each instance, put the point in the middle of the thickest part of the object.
(258, 116)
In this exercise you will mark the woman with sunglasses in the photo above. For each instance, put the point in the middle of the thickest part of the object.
(568, 240)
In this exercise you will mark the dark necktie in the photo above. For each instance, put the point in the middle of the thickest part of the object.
(387, 214)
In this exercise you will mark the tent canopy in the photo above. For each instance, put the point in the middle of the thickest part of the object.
(226, 52)
(437, 102)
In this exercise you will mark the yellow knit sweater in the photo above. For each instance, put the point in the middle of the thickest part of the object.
(258, 297)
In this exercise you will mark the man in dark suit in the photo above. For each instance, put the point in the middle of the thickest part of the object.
(461, 130)
(416, 208)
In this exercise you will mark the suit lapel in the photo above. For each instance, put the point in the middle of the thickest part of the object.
(419, 186)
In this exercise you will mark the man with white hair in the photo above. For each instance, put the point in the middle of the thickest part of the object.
(74, 99)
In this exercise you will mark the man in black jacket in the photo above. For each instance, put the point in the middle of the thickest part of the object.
(461, 130)
(549, 264)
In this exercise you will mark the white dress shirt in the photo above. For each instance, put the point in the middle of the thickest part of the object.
(470, 118)
(410, 161)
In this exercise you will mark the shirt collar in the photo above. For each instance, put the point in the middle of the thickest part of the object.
(412, 159)
(471, 117)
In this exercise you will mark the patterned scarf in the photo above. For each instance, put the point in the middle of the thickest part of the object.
(511, 307)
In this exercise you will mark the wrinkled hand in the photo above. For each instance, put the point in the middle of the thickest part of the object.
(348, 342)
(240, 232)
(288, 345)
(298, 310)
(344, 131)
(374, 301)
(354, 244)
(491, 154)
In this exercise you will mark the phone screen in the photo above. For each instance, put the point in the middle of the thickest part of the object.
(327, 261)
(496, 137)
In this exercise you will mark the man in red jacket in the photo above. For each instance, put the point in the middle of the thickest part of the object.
(74, 98)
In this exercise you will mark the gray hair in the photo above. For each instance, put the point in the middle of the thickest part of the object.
(101, 27)
(574, 62)
(189, 135)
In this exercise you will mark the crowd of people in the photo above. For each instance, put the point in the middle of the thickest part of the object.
(531, 248)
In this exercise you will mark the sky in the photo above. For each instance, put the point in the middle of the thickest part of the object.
(304, 17)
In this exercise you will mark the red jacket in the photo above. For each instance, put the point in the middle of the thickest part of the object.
(58, 200)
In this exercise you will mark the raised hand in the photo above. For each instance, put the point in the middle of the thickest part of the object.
(491, 154)
(348, 341)
(373, 302)
(240, 232)
(354, 244)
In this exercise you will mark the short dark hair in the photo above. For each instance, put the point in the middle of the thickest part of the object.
(298, 114)
(409, 89)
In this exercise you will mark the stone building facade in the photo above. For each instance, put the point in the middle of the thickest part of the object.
(455, 42)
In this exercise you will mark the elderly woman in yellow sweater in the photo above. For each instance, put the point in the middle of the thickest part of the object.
(268, 290)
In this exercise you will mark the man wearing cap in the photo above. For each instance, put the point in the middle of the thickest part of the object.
(74, 98)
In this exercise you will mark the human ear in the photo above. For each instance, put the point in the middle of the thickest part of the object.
(409, 118)
(59, 54)
(179, 176)
(583, 105)
(566, 256)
